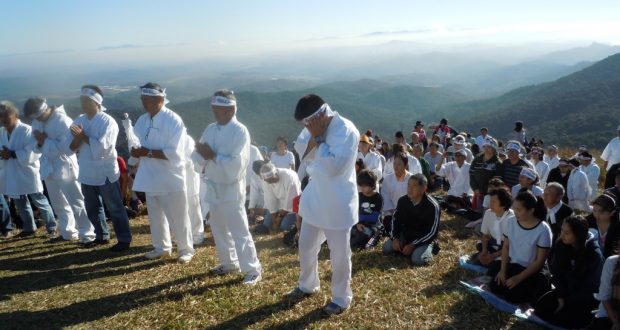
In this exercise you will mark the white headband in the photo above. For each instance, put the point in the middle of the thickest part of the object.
(154, 92)
(268, 171)
(325, 107)
(513, 146)
(223, 101)
(528, 173)
(41, 110)
(95, 96)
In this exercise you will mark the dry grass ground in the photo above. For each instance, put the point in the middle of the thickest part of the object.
(45, 285)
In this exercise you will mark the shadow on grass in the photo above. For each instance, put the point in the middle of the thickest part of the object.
(92, 310)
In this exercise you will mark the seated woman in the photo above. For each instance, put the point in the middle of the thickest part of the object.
(608, 314)
(366, 233)
(416, 221)
(521, 278)
(528, 179)
(606, 224)
(575, 266)
(394, 187)
(490, 247)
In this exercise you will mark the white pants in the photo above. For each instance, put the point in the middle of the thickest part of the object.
(233, 242)
(204, 205)
(169, 212)
(68, 204)
(195, 218)
(310, 240)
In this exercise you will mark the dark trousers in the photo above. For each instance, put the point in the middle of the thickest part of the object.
(574, 314)
(528, 291)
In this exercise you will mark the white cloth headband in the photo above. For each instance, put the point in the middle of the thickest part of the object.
(95, 96)
(528, 173)
(325, 107)
(154, 92)
(268, 171)
(223, 101)
(41, 110)
(513, 146)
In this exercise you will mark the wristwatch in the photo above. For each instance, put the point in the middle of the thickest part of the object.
(318, 139)
(150, 154)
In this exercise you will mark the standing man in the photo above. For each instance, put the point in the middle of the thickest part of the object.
(592, 171)
(224, 152)
(93, 138)
(50, 129)
(19, 171)
(329, 204)
(482, 138)
(611, 154)
(161, 174)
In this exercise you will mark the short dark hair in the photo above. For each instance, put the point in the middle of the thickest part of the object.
(367, 178)
(399, 134)
(283, 139)
(226, 93)
(152, 85)
(419, 179)
(606, 202)
(433, 144)
(402, 156)
(505, 200)
(32, 106)
(94, 87)
(7, 107)
(443, 121)
(257, 164)
(307, 105)
(496, 182)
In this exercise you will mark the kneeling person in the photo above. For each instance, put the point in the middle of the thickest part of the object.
(280, 187)
(368, 230)
(416, 220)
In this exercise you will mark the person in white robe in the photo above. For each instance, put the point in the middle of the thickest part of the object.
(192, 186)
(161, 174)
(93, 138)
(19, 171)
(371, 159)
(254, 197)
(280, 187)
(224, 150)
(592, 171)
(329, 204)
(611, 153)
(395, 185)
(59, 170)
(457, 174)
(578, 188)
(541, 167)
(551, 157)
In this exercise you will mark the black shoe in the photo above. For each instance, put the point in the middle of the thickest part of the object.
(87, 245)
(57, 239)
(25, 234)
(120, 247)
(101, 241)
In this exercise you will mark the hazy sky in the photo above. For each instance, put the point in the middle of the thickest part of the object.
(188, 29)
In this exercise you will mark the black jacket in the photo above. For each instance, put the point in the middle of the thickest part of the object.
(610, 177)
(417, 224)
(577, 285)
(480, 172)
(555, 175)
(564, 212)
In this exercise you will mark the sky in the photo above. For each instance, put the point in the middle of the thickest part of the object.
(190, 29)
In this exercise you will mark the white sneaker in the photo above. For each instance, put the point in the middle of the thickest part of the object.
(185, 258)
(252, 279)
(222, 270)
(157, 254)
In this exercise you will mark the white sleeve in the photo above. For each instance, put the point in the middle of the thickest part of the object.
(604, 290)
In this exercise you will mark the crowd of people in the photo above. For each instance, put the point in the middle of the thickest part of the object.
(549, 234)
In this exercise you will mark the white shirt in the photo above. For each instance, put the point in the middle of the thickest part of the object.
(578, 190)
(166, 132)
(481, 139)
(458, 177)
(524, 243)
(192, 178)
(19, 176)
(373, 163)
(604, 290)
(551, 213)
(225, 175)
(97, 159)
(492, 224)
(611, 154)
(280, 195)
(593, 172)
(56, 163)
(392, 190)
(543, 172)
(413, 166)
(552, 162)
(283, 161)
(330, 200)
(254, 156)
(469, 157)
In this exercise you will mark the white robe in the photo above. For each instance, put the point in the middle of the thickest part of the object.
(56, 163)
(578, 190)
(552, 162)
(97, 159)
(19, 176)
(458, 177)
(611, 154)
(280, 195)
(592, 172)
(166, 132)
(330, 200)
(543, 172)
(372, 161)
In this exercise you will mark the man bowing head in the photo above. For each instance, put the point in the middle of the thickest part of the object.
(329, 204)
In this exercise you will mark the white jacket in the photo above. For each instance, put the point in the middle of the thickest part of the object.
(280, 195)
(592, 172)
(578, 190)
(19, 176)
(373, 163)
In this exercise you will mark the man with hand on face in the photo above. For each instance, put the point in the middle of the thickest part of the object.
(224, 152)
(19, 171)
(329, 204)
(50, 129)
(161, 174)
(93, 138)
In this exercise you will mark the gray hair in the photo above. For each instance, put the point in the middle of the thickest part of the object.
(8, 108)
(418, 146)
(559, 189)
(419, 179)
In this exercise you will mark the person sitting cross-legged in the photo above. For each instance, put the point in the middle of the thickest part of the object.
(414, 230)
